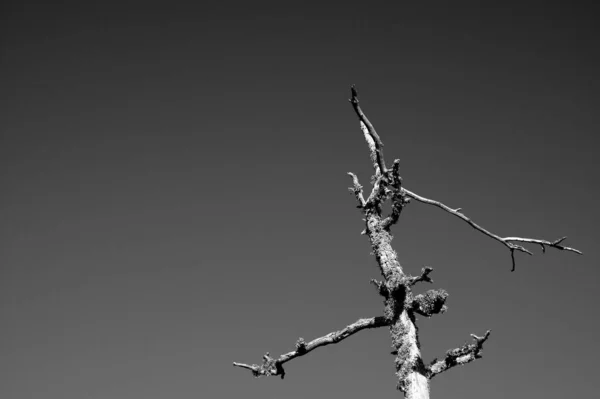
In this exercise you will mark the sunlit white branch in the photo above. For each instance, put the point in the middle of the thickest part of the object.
(272, 366)
(357, 189)
(373, 140)
(459, 356)
(506, 241)
(423, 277)
(544, 243)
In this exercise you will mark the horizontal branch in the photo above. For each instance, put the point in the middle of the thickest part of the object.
(506, 241)
(272, 366)
(543, 243)
(459, 356)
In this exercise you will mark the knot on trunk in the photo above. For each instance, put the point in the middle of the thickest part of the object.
(430, 303)
(301, 346)
(395, 293)
(270, 366)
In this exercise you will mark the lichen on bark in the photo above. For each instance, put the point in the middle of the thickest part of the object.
(400, 305)
(410, 370)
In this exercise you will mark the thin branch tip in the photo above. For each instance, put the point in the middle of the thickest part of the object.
(354, 93)
(560, 240)
(512, 256)
(371, 136)
(425, 271)
(508, 242)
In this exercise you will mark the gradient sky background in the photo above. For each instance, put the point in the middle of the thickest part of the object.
(174, 194)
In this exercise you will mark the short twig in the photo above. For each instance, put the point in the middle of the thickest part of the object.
(423, 277)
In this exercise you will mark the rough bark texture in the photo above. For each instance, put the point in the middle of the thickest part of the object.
(400, 305)
(410, 370)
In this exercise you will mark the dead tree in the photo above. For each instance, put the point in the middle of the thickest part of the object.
(400, 304)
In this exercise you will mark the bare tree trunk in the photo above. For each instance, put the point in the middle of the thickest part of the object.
(398, 299)
(400, 305)
(410, 370)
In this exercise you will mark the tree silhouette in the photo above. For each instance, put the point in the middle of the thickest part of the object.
(400, 304)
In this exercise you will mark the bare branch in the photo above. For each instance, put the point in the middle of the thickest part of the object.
(273, 366)
(506, 241)
(373, 140)
(357, 189)
(459, 356)
(423, 277)
(543, 243)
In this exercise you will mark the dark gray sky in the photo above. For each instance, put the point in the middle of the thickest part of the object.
(174, 194)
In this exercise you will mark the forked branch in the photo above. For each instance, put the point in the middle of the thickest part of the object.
(423, 277)
(459, 356)
(272, 366)
(506, 241)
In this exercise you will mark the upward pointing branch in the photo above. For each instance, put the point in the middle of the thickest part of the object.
(370, 133)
